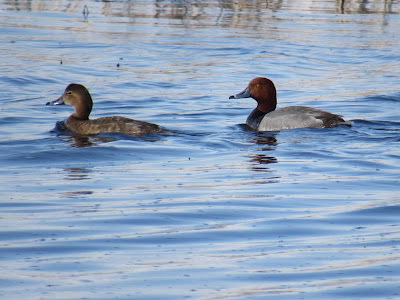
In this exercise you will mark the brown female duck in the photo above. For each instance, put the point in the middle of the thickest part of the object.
(77, 96)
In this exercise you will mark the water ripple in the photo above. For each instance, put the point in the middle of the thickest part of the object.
(213, 210)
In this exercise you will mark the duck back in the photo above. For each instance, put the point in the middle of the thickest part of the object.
(292, 117)
(113, 124)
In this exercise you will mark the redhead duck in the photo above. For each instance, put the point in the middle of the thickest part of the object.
(77, 96)
(265, 118)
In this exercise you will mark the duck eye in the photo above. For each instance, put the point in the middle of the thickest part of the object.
(258, 85)
(69, 93)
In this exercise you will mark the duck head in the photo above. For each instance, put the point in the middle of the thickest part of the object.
(263, 91)
(77, 96)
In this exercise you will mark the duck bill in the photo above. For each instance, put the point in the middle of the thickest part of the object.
(59, 101)
(244, 94)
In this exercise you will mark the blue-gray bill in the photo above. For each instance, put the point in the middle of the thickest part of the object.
(59, 101)
(244, 94)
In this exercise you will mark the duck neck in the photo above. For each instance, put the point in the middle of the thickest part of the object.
(256, 114)
(80, 116)
(267, 107)
(82, 111)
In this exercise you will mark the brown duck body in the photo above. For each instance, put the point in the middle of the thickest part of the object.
(78, 97)
(113, 124)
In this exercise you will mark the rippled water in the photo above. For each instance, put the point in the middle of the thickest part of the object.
(213, 211)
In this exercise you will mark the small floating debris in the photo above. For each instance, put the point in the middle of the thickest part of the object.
(85, 12)
(118, 64)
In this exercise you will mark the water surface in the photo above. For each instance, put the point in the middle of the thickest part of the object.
(214, 210)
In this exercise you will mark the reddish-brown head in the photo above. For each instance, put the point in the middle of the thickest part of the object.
(263, 91)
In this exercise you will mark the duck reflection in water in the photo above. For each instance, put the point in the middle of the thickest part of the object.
(86, 141)
(261, 160)
(77, 173)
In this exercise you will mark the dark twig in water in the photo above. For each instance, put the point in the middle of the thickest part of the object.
(85, 12)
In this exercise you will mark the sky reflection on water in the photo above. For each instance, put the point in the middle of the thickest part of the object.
(214, 210)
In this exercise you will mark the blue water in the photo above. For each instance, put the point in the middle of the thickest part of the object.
(214, 210)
